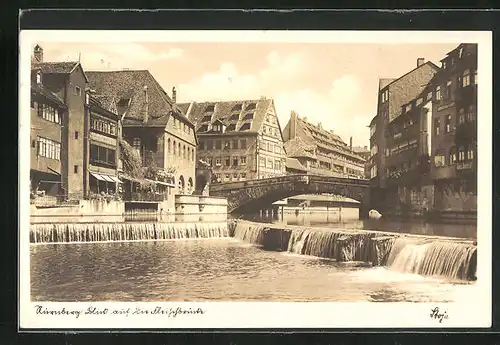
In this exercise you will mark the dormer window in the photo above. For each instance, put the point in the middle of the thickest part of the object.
(237, 107)
(38, 78)
(210, 108)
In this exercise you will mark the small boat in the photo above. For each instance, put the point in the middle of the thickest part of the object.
(374, 214)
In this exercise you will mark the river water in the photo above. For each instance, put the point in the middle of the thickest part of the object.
(349, 218)
(215, 270)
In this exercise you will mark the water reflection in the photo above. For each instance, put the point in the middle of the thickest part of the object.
(349, 218)
(219, 269)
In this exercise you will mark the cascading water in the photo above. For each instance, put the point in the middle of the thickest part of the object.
(98, 232)
(434, 258)
(419, 255)
(250, 232)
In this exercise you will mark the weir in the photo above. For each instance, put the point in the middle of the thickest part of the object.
(105, 232)
(452, 258)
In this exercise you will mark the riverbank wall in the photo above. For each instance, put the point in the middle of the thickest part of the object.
(453, 258)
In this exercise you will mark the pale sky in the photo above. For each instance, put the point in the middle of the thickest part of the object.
(335, 84)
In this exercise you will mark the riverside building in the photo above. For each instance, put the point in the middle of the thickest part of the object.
(156, 128)
(58, 113)
(320, 151)
(395, 96)
(240, 140)
(454, 131)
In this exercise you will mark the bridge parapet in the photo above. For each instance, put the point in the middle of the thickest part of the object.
(253, 195)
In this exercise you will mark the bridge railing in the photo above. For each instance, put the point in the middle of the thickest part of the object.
(299, 178)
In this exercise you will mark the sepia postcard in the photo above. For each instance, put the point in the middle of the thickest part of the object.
(255, 179)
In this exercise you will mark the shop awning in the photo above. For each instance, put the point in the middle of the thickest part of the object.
(98, 176)
(107, 178)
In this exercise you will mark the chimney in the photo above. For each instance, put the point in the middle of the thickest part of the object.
(174, 95)
(38, 54)
(320, 126)
(146, 105)
(350, 143)
(420, 62)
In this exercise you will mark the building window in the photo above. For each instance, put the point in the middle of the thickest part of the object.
(228, 176)
(437, 126)
(169, 146)
(243, 160)
(87, 98)
(447, 124)
(243, 144)
(461, 116)
(227, 144)
(243, 176)
(235, 161)
(48, 148)
(429, 96)
(227, 161)
(269, 147)
(277, 165)
(175, 148)
(419, 101)
(373, 171)
(447, 90)
(218, 144)
(470, 152)
(475, 77)
(245, 127)
(137, 144)
(270, 163)
(39, 78)
(218, 161)
(78, 91)
(277, 149)
(184, 151)
(439, 160)
(209, 161)
(210, 144)
(466, 78)
(76, 135)
(102, 155)
(438, 93)
(48, 113)
(460, 53)
(235, 144)
(452, 156)
(263, 162)
(385, 96)
(471, 114)
(103, 126)
(202, 145)
(461, 154)
(75, 169)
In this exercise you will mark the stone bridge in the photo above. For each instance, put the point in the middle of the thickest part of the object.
(253, 195)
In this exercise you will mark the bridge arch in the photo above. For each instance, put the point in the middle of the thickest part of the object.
(250, 196)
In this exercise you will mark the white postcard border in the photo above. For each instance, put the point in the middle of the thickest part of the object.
(473, 311)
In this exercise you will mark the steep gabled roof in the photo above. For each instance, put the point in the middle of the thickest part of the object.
(129, 86)
(57, 67)
(39, 89)
(106, 102)
(245, 115)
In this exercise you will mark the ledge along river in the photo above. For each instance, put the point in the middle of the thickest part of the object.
(245, 261)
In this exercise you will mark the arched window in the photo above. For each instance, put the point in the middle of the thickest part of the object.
(175, 148)
(466, 78)
(169, 146)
